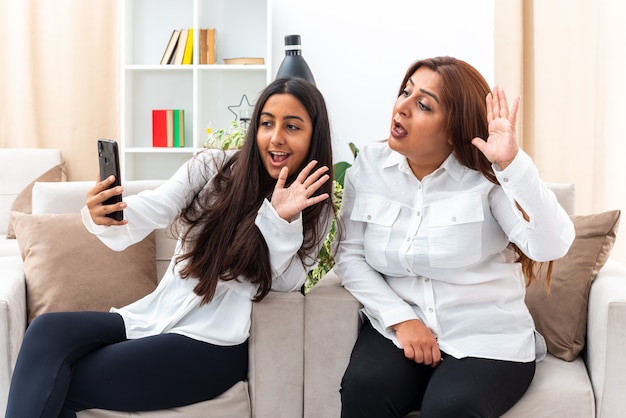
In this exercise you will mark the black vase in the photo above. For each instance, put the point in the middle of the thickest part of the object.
(293, 64)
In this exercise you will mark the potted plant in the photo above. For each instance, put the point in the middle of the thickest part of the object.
(229, 138)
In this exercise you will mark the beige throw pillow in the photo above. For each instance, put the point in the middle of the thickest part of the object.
(23, 201)
(561, 316)
(69, 269)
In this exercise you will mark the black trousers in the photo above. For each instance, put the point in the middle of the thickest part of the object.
(381, 382)
(80, 360)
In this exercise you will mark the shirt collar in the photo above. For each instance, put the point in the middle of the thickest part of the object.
(451, 165)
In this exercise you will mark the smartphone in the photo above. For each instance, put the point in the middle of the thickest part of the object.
(109, 161)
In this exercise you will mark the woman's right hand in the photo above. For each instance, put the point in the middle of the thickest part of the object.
(418, 342)
(95, 202)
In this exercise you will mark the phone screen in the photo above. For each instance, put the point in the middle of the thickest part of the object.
(109, 161)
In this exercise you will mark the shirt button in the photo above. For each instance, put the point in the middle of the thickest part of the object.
(506, 179)
(427, 280)
(419, 213)
(408, 239)
(453, 219)
(430, 310)
(369, 217)
(408, 270)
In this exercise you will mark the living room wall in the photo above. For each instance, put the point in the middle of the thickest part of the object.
(359, 53)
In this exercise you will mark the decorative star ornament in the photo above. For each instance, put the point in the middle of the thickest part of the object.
(244, 113)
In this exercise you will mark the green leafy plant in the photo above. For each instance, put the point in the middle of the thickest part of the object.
(230, 138)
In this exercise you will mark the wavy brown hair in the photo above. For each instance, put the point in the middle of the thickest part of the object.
(219, 235)
(463, 95)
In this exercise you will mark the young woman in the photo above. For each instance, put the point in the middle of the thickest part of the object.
(250, 221)
(442, 221)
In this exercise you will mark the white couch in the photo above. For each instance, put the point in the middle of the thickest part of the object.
(274, 388)
(593, 385)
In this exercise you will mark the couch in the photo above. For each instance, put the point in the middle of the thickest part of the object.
(300, 346)
(274, 386)
(593, 384)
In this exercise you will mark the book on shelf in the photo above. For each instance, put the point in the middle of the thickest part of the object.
(179, 128)
(244, 61)
(211, 46)
(169, 114)
(168, 128)
(207, 46)
(170, 49)
(181, 46)
(159, 128)
(188, 54)
(203, 46)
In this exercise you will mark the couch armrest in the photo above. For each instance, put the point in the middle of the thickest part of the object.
(276, 344)
(606, 339)
(332, 326)
(12, 319)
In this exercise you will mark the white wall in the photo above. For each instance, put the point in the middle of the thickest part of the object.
(359, 51)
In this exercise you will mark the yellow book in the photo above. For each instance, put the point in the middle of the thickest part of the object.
(188, 57)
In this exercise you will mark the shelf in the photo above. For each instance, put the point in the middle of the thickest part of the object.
(203, 91)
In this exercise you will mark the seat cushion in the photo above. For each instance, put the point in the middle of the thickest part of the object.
(234, 403)
(559, 389)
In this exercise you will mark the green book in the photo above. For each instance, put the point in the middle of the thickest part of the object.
(179, 128)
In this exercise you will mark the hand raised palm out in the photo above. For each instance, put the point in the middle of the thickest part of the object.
(289, 201)
(501, 145)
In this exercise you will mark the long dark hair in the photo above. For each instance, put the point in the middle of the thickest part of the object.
(220, 238)
(463, 95)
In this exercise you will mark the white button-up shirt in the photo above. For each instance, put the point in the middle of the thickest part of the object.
(437, 249)
(173, 306)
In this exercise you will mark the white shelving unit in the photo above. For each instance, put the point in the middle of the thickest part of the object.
(242, 29)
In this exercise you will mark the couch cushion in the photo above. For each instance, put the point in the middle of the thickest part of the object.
(559, 389)
(23, 201)
(69, 269)
(234, 403)
(561, 315)
(18, 167)
(69, 197)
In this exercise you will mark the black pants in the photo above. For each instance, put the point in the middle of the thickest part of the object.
(381, 382)
(80, 360)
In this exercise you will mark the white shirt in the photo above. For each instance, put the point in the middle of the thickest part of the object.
(173, 306)
(436, 250)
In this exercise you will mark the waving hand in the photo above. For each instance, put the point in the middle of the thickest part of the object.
(289, 201)
(501, 145)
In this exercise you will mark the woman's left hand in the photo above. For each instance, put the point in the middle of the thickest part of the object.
(289, 201)
(501, 145)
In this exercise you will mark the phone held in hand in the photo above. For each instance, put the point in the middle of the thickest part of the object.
(109, 161)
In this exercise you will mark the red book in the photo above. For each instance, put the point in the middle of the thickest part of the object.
(159, 128)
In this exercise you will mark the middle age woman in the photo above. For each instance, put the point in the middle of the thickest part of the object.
(442, 222)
